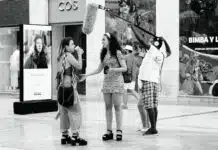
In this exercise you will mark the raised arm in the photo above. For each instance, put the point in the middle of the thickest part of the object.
(75, 63)
(96, 71)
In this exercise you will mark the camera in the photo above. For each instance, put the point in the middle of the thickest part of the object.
(157, 42)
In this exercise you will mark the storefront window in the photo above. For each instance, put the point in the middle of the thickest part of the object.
(9, 59)
(198, 53)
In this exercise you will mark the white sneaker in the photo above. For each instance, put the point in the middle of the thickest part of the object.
(142, 129)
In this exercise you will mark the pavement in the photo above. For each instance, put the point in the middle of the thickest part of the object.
(181, 127)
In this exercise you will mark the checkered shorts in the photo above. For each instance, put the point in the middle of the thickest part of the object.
(149, 94)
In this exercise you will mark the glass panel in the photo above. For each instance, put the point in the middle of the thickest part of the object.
(37, 62)
(9, 59)
(198, 53)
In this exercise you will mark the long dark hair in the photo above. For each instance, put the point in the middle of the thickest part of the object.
(40, 58)
(114, 46)
(132, 10)
(43, 45)
(64, 42)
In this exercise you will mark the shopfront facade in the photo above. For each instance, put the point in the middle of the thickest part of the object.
(66, 19)
(57, 14)
(12, 14)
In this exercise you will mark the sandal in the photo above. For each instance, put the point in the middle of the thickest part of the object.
(108, 136)
(119, 135)
(65, 139)
(78, 141)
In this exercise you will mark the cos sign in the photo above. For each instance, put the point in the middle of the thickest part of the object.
(68, 5)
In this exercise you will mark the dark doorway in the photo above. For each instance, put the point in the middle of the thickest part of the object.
(75, 31)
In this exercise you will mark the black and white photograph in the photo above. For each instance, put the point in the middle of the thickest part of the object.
(109, 74)
(37, 49)
(37, 62)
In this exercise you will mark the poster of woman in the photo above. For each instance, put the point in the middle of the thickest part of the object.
(37, 62)
(39, 57)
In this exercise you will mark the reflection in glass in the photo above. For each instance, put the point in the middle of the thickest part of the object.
(9, 59)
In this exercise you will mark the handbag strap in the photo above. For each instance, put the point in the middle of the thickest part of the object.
(118, 61)
(120, 64)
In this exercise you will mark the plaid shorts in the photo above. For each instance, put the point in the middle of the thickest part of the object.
(149, 94)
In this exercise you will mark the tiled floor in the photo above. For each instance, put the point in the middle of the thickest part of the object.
(180, 128)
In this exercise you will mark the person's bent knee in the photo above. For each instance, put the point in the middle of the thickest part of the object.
(140, 106)
(117, 108)
(108, 107)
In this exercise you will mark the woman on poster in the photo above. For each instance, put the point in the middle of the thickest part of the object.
(39, 58)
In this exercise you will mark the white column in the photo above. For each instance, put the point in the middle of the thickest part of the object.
(57, 36)
(167, 14)
(94, 83)
(38, 12)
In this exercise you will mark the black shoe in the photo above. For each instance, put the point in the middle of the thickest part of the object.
(78, 141)
(108, 136)
(65, 139)
(150, 131)
(119, 136)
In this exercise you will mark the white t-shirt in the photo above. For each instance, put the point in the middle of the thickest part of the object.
(151, 65)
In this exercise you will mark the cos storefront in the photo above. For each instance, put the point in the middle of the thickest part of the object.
(14, 14)
(22, 27)
(66, 19)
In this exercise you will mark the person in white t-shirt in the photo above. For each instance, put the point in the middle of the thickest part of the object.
(149, 79)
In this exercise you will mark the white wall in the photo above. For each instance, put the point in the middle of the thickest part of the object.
(94, 83)
(167, 12)
(38, 12)
(57, 16)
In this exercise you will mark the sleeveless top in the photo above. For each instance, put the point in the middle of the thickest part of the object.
(70, 71)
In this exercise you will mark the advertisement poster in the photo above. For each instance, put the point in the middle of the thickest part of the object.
(122, 21)
(37, 62)
(198, 47)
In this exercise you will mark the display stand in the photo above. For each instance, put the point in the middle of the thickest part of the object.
(40, 105)
(36, 106)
